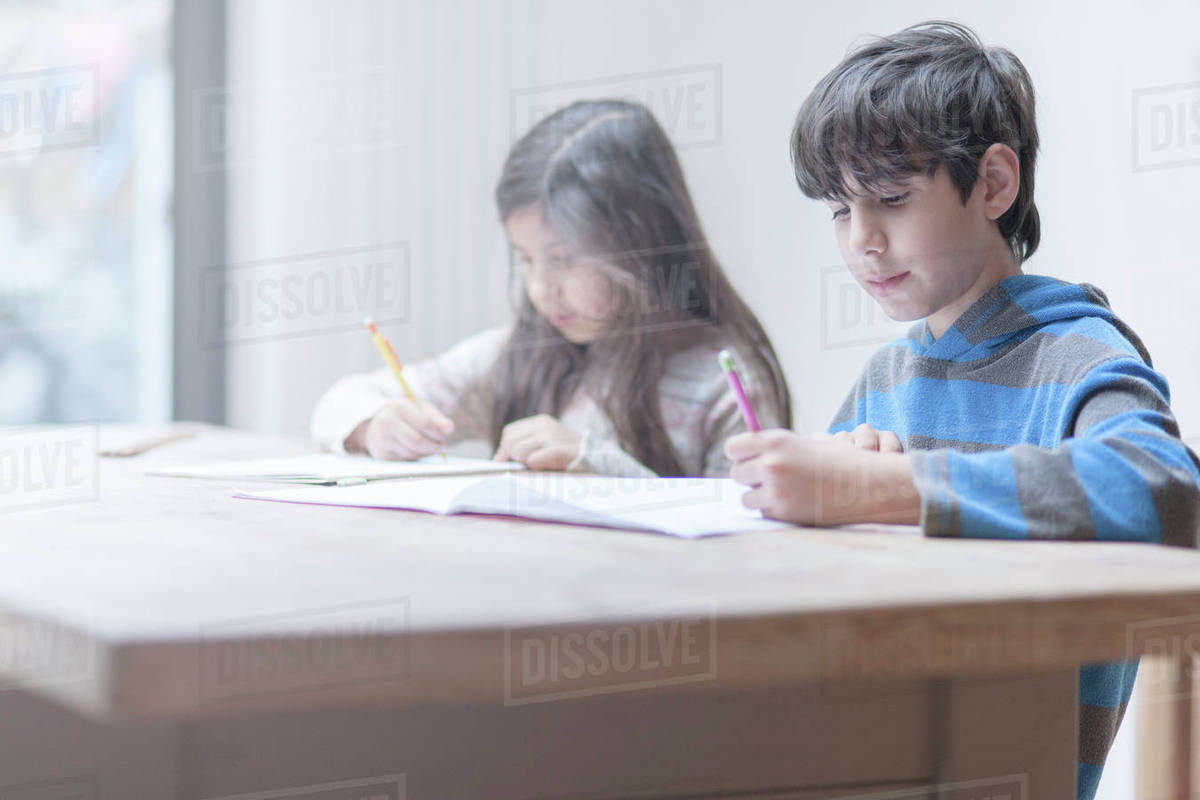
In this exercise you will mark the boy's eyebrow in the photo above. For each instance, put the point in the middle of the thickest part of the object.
(883, 189)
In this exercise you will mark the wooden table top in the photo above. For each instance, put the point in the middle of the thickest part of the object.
(167, 596)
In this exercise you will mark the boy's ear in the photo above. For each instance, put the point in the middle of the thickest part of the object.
(1000, 174)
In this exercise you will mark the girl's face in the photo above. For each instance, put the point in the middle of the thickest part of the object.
(566, 287)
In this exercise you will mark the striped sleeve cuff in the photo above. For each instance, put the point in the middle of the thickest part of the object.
(939, 508)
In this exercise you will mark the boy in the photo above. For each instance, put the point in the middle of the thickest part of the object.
(1021, 407)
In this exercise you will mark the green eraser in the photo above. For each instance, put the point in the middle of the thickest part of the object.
(725, 360)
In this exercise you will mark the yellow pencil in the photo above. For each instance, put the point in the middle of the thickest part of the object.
(389, 356)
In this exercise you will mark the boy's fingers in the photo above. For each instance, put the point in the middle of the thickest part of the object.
(747, 472)
(755, 499)
(743, 446)
(866, 437)
(889, 442)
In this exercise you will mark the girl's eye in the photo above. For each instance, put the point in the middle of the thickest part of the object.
(896, 199)
(841, 213)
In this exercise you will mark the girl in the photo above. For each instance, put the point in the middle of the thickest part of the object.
(611, 365)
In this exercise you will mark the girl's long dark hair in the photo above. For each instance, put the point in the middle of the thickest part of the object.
(606, 179)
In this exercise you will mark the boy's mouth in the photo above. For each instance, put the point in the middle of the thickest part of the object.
(887, 284)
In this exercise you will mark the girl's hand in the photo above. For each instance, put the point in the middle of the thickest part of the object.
(864, 437)
(821, 481)
(539, 442)
(401, 432)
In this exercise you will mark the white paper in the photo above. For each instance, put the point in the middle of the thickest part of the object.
(687, 507)
(334, 468)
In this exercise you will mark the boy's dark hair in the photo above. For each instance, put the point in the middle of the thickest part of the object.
(904, 104)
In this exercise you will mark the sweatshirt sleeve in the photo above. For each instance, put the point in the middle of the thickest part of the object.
(1122, 473)
(458, 382)
(847, 417)
(604, 456)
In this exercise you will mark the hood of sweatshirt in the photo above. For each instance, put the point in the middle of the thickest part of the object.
(1015, 309)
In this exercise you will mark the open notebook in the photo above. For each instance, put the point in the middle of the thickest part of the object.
(688, 507)
(334, 468)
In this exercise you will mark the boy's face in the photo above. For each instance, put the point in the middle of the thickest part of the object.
(918, 250)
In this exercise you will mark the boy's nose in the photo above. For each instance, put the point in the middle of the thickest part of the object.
(866, 237)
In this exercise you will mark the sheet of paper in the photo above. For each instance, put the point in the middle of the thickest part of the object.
(335, 467)
(420, 494)
(687, 507)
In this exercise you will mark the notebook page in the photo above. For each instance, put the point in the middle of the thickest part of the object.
(687, 507)
(334, 467)
(437, 496)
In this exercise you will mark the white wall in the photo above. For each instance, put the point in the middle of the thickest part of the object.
(424, 174)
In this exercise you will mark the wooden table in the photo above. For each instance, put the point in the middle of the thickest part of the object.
(169, 641)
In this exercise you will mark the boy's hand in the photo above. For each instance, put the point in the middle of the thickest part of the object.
(864, 437)
(821, 481)
(401, 432)
(539, 442)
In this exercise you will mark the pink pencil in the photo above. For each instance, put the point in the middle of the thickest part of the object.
(726, 362)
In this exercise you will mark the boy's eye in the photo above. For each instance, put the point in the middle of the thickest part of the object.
(841, 213)
(895, 199)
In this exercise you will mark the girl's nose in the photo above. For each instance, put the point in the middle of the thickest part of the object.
(539, 285)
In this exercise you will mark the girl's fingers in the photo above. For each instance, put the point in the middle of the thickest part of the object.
(430, 425)
(544, 458)
(417, 444)
(520, 449)
(520, 438)
(405, 444)
(504, 450)
(439, 419)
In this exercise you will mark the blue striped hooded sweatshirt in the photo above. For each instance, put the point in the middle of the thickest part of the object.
(1038, 415)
